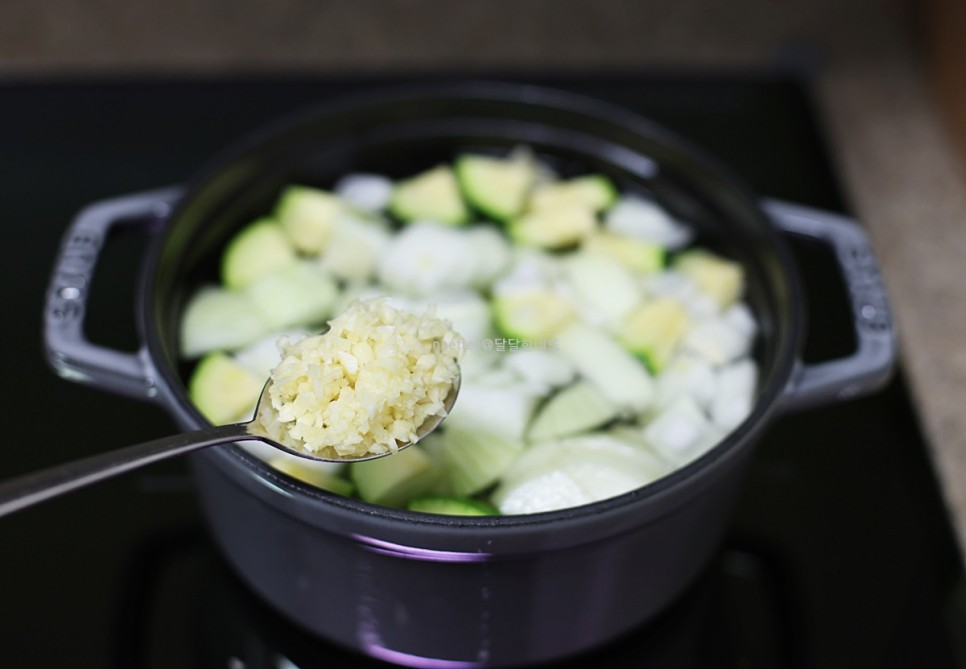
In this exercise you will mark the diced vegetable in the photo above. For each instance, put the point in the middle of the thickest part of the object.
(602, 286)
(653, 331)
(255, 250)
(222, 389)
(734, 391)
(680, 433)
(304, 471)
(308, 216)
(425, 259)
(719, 278)
(593, 193)
(687, 375)
(355, 247)
(552, 228)
(297, 294)
(219, 319)
(502, 410)
(532, 315)
(644, 220)
(433, 195)
(577, 408)
(633, 254)
(475, 456)
(491, 255)
(540, 371)
(453, 506)
(566, 308)
(603, 362)
(497, 187)
(558, 474)
(368, 192)
(396, 479)
(262, 356)
(716, 341)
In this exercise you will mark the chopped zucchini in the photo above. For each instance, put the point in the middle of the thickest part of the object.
(653, 331)
(255, 250)
(453, 506)
(219, 319)
(603, 362)
(633, 254)
(475, 456)
(577, 408)
(300, 294)
(497, 187)
(395, 479)
(593, 193)
(552, 228)
(720, 278)
(222, 389)
(433, 195)
(302, 470)
(308, 216)
(532, 315)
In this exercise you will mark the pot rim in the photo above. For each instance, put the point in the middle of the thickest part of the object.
(670, 490)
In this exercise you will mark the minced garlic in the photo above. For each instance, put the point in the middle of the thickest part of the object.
(363, 387)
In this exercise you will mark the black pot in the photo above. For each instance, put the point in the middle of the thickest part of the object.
(428, 590)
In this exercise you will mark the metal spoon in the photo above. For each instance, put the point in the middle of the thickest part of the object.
(34, 488)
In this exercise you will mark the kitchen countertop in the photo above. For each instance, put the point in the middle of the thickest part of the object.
(902, 176)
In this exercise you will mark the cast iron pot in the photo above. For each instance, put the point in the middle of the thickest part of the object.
(440, 591)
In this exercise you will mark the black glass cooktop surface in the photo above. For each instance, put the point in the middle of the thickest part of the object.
(840, 553)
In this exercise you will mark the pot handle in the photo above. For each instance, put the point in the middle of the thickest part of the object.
(69, 352)
(870, 367)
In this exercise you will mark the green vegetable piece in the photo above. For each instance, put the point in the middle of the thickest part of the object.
(722, 279)
(553, 228)
(453, 506)
(633, 254)
(395, 479)
(593, 192)
(577, 408)
(653, 331)
(604, 363)
(219, 319)
(308, 215)
(433, 196)
(254, 251)
(313, 476)
(300, 294)
(497, 187)
(532, 315)
(223, 390)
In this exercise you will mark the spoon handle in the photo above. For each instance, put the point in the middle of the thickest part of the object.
(33, 488)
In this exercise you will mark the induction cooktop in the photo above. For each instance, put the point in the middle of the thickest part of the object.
(840, 553)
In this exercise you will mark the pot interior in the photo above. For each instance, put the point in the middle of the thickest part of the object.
(400, 135)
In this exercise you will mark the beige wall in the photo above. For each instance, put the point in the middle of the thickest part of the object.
(84, 35)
